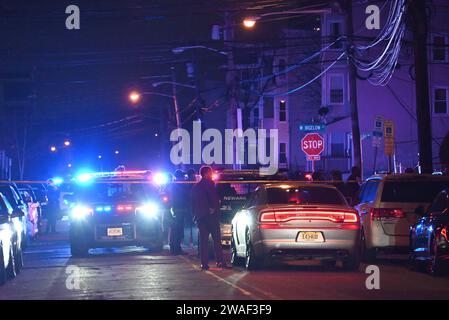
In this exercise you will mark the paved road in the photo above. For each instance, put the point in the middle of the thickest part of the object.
(132, 273)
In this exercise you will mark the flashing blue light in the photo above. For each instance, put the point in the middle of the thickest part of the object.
(84, 178)
(57, 180)
(99, 209)
(160, 178)
(107, 208)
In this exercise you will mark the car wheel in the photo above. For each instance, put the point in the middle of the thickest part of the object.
(78, 250)
(2, 268)
(368, 254)
(18, 260)
(436, 267)
(235, 259)
(252, 262)
(352, 262)
(11, 269)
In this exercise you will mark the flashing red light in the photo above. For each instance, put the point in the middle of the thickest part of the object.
(286, 216)
(123, 207)
(377, 213)
(165, 199)
(309, 177)
(215, 176)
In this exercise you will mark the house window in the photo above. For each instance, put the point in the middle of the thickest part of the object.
(336, 89)
(282, 153)
(440, 101)
(281, 67)
(282, 111)
(338, 145)
(334, 34)
(268, 108)
(256, 117)
(439, 48)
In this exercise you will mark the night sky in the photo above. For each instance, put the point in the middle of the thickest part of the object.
(82, 77)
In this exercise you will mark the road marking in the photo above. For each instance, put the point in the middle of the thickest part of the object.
(243, 291)
(235, 286)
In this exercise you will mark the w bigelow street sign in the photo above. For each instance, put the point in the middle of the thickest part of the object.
(312, 145)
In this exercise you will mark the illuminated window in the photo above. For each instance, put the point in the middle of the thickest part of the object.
(282, 111)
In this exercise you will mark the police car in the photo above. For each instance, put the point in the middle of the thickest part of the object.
(110, 209)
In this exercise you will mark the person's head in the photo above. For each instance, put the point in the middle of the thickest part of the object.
(191, 174)
(179, 175)
(206, 172)
(337, 175)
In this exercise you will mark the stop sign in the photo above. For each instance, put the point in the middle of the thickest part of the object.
(312, 144)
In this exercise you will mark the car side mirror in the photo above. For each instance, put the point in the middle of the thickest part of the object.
(420, 211)
(4, 218)
(17, 214)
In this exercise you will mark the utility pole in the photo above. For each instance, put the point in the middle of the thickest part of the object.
(356, 142)
(418, 13)
(233, 122)
(175, 99)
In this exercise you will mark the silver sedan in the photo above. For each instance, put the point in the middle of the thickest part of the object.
(297, 221)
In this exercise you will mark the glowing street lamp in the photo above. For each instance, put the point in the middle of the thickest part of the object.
(67, 143)
(249, 22)
(134, 97)
(116, 152)
(53, 149)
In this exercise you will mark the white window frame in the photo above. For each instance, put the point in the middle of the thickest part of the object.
(329, 33)
(446, 43)
(434, 100)
(329, 88)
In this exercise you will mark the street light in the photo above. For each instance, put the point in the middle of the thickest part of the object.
(179, 50)
(134, 97)
(157, 84)
(250, 22)
(67, 143)
(117, 152)
(53, 149)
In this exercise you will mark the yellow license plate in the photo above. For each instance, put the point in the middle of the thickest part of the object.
(310, 236)
(115, 232)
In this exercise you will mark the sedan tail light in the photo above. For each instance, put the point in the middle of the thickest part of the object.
(125, 208)
(377, 213)
(329, 215)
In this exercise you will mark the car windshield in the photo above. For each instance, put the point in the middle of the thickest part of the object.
(412, 191)
(7, 192)
(305, 195)
(99, 192)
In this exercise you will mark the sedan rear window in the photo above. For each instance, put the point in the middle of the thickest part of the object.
(304, 195)
(412, 191)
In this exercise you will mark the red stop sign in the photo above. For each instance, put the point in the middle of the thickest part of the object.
(312, 144)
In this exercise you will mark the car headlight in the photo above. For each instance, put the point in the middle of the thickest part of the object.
(80, 211)
(149, 210)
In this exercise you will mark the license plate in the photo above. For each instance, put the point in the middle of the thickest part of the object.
(310, 236)
(115, 232)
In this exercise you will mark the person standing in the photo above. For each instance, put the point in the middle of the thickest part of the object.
(205, 205)
(352, 186)
(52, 208)
(179, 211)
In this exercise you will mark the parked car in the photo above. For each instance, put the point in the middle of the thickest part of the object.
(11, 260)
(387, 207)
(12, 194)
(429, 244)
(296, 220)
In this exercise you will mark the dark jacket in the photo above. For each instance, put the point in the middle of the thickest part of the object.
(205, 199)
